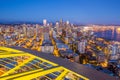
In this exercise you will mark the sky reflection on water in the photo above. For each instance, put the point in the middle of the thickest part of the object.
(109, 34)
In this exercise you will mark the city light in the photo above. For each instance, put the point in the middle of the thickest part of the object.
(60, 40)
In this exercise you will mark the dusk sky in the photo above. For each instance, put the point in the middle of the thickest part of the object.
(76, 11)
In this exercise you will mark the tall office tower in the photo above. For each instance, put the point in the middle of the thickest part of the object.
(67, 22)
(50, 25)
(113, 52)
(61, 23)
(25, 29)
(0, 29)
(57, 26)
(81, 46)
(37, 29)
(54, 34)
(114, 49)
(44, 22)
(74, 34)
(46, 36)
(63, 33)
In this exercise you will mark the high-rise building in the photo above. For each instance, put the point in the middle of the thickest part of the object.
(81, 46)
(54, 34)
(25, 29)
(57, 24)
(114, 49)
(46, 36)
(37, 28)
(67, 22)
(113, 52)
(61, 23)
(44, 22)
(74, 34)
(0, 29)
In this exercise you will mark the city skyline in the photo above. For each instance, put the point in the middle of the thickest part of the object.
(76, 11)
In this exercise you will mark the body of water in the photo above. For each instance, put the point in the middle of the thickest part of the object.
(109, 34)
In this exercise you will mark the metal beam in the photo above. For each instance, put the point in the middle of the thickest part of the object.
(9, 49)
(19, 74)
(38, 74)
(44, 60)
(17, 67)
(13, 55)
(79, 75)
(62, 75)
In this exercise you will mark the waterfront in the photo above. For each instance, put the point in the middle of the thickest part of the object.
(60, 40)
(77, 44)
(112, 34)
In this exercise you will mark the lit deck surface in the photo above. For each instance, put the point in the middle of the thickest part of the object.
(33, 65)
